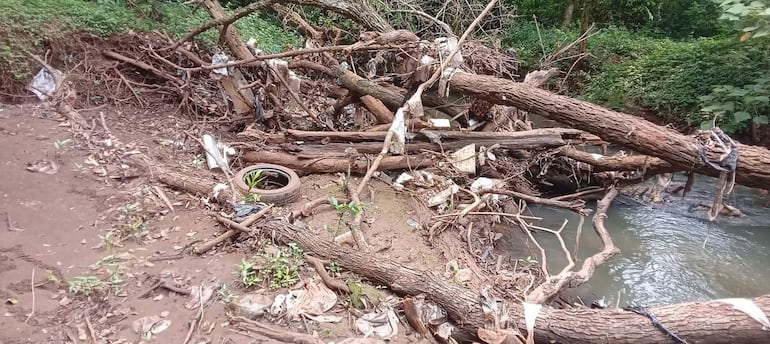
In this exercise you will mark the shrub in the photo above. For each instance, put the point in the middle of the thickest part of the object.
(670, 79)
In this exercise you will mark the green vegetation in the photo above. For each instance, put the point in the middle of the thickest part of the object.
(32, 24)
(278, 268)
(680, 60)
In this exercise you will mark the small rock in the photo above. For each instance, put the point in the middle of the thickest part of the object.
(158, 298)
(64, 301)
(164, 314)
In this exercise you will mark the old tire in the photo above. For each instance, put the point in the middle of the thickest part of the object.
(280, 175)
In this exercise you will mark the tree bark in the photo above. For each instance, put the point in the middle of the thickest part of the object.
(697, 322)
(566, 19)
(620, 128)
(391, 98)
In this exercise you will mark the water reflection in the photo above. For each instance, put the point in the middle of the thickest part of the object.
(669, 254)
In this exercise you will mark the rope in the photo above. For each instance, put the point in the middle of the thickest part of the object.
(655, 322)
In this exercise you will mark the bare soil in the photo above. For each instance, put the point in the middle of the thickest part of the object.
(53, 227)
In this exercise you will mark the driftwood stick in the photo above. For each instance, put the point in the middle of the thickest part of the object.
(568, 278)
(205, 247)
(274, 332)
(576, 206)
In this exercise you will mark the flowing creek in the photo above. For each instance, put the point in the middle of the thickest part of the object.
(669, 254)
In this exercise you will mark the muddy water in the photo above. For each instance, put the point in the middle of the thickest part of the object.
(670, 254)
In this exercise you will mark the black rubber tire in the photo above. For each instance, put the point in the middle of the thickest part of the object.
(281, 196)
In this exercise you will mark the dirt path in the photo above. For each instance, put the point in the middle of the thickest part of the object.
(57, 225)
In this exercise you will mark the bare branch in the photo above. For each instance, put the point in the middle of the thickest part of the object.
(223, 21)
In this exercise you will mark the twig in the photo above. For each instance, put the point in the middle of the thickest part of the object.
(574, 278)
(490, 213)
(32, 282)
(576, 206)
(90, 326)
(577, 236)
(130, 88)
(476, 202)
(205, 247)
(11, 227)
(328, 280)
(163, 197)
(438, 22)
(222, 21)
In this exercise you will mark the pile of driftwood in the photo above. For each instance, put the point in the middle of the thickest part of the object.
(393, 101)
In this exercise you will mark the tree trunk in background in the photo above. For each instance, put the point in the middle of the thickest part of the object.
(566, 19)
(626, 130)
(701, 322)
(357, 10)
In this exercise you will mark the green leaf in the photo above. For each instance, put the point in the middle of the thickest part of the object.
(706, 98)
(738, 92)
(728, 106)
(710, 108)
(705, 125)
(741, 116)
(762, 33)
(750, 28)
(333, 201)
(758, 99)
(761, 119)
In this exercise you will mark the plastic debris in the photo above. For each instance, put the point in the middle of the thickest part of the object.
(382, 323)
(219, 59)
(312, 301)
(242, 210)
(43, 166)
(43, 85)
(443, 196)
(149, 325)
(464, 159)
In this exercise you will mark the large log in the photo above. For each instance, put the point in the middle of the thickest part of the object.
(616, 127)
(697, 322)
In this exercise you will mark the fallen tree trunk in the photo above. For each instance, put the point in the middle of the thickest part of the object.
(616, 127)
(329, 165)
(698, 322)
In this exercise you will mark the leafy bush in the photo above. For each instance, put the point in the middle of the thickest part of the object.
(673, 75)
(669, 18)
(737, 108)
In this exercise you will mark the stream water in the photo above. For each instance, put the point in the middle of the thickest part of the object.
(668, 253)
